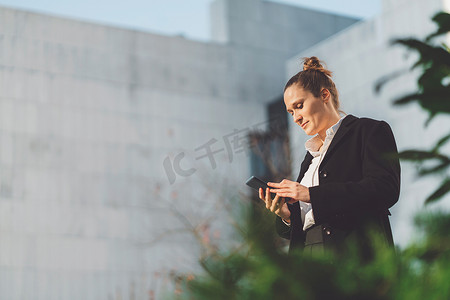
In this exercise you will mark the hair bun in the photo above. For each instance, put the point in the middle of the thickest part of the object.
(313, 63)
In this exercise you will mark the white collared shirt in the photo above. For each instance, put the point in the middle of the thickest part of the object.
(311, 177)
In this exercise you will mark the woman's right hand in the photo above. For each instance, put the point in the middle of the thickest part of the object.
(276, 205)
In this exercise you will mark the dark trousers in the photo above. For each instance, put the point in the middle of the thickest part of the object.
(314, 240)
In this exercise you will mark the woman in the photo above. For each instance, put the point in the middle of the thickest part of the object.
(346, 183)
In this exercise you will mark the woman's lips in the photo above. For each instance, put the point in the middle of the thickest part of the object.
(304, 124)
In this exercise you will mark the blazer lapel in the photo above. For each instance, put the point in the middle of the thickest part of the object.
(295, 207)
(305, 164)
(342, 131)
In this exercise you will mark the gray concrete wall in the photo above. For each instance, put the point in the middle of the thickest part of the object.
(263, 35)
(360, 56)
(88, 114)
(272, 26)
(89, 117)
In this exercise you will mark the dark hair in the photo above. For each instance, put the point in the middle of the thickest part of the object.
(314, 78)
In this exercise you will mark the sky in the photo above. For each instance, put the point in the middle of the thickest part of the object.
(189, 18)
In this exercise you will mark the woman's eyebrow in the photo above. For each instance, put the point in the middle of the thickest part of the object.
(295, 103)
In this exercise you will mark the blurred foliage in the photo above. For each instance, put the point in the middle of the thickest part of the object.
(261, 268)
(433, 96)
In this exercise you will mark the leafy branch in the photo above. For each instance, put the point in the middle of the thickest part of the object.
(433, 96)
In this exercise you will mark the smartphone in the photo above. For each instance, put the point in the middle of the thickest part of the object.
(256, 183)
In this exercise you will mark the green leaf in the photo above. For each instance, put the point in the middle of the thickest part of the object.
(441, 142)
(440, 192)
(434, 224)
(435, 169)
(418, 155)
(436, 101)
(385, 79)
(433, 77)
(428, 53)
(430, 117)
(442, 19)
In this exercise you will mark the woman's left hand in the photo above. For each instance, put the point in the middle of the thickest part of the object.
(290, 189)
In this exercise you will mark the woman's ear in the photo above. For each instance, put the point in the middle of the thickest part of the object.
(325, 93)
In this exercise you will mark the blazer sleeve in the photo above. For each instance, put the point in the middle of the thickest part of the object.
(282, 229)
(378, 189)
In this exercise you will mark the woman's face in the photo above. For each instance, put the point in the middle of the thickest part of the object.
(312, 114)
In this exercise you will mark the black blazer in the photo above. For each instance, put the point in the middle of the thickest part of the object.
(357, 185)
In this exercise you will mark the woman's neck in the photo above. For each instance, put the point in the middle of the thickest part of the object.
(333, 120)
